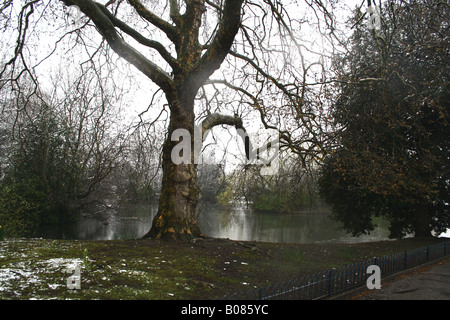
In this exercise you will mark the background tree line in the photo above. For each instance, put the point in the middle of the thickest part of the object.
(294, 188)
(67, 151)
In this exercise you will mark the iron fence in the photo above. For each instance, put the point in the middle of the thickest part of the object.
(336, 280)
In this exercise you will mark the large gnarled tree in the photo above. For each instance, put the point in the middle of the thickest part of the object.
(192, 66)
(178, 45)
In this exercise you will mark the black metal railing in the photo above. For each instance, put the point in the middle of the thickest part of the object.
(334, 281)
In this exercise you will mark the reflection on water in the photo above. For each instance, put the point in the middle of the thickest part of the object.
(237, 224)
(244, 224)
(131, 223)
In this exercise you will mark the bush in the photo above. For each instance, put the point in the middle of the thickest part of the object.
(225, 197)
(19, 214)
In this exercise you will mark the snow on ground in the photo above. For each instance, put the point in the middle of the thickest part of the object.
(17, 277)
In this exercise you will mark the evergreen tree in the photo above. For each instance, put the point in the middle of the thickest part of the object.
(392, 123)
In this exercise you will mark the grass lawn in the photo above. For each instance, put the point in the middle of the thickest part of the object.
(150, 269)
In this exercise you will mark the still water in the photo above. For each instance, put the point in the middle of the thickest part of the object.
(239, 223)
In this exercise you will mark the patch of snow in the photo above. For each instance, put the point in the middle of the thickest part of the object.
(9, 275)
(54, 286)
(24, 273)
(64, 262)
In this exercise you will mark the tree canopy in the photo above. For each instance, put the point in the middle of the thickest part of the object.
(392, 122)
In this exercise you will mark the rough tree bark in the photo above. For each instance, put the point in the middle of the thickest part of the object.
(176, 218)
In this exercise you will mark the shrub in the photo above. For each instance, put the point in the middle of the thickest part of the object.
(19, 212)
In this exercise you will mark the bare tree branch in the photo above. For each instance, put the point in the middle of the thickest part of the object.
(219, 48)
(107, 29)
(166, 27)
(216, 119)
(141, 39)
(175, 12)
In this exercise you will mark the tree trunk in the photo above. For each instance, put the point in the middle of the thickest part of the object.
(177, 217)
(422, 226)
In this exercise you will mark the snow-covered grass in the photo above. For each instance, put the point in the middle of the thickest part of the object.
(152, 269)
(41, 268)
(27, 272)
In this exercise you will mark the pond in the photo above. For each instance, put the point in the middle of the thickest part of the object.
(240, 223)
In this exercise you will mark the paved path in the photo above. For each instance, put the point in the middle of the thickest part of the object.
(430, 282)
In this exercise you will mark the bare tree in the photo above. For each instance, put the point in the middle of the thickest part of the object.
(180, 46)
